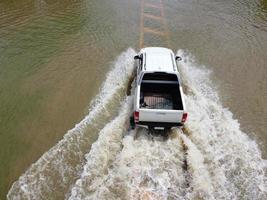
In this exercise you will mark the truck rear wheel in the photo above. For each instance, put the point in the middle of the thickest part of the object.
(132, 123)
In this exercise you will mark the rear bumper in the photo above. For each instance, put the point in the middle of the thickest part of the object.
(159, 124)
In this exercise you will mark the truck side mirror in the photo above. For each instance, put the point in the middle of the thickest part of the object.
(137, 57)
(178, 58)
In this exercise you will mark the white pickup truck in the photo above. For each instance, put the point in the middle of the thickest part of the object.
(159, 99)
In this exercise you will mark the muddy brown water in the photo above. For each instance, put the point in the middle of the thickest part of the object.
(54, 56)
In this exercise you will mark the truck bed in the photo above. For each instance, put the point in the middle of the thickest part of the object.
(160, 95)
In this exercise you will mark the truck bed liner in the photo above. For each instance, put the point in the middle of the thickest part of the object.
(157, 101)
(160, 96)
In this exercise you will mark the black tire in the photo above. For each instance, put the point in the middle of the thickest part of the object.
(132, 123)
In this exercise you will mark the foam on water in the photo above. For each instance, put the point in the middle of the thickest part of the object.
(233, 160)
(144, 169)
(103, 153)
(51, 176)
(199, 181)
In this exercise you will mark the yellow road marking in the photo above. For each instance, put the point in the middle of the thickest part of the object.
(153, 31)
(153, 17)
(160, 19)
(154, 5)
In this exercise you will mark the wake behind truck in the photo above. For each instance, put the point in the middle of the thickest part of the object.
(159, 98)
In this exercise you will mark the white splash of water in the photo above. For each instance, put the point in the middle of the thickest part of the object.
(57, 169)
(234, 161)
(144, 169)
(102, 154)
(200, 186)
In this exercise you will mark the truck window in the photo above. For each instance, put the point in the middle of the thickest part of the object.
(160, 76)
(140, 64)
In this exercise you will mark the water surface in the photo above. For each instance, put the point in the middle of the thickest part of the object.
(54, 57)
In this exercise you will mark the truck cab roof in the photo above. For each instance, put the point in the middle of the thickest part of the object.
(158, 59)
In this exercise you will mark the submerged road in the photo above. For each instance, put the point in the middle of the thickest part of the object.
(58, 56)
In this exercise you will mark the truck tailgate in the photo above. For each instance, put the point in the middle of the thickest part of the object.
(152, 115)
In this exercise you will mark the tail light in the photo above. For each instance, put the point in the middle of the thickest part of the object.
(136, 116)
(184, 117)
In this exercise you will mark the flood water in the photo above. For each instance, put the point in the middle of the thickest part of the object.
(64, 70)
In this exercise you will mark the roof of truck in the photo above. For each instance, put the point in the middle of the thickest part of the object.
(159, 59)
